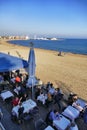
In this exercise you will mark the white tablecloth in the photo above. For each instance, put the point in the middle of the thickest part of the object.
(28, 105)
(74, 128)
(78, 107)
(62, 123)
(71, 112)
(81, 103)
(48, 128)
(6, 94)
(42, 98)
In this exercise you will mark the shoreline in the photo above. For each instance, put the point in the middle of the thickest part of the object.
(69, 72)
(45, 49)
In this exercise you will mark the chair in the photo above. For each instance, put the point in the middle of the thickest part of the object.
(27, 117)
(40, 124)
(47, 120)
(13, 117)
(1, 126)
(34, 111)
(5, 90)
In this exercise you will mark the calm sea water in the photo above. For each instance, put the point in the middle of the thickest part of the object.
(78, 46)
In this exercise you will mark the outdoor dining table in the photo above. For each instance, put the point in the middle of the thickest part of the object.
(81, 103)
(71, 112)
(62, 123)
(74, 127)
(6, 94)
(28, 105)
(49, 128)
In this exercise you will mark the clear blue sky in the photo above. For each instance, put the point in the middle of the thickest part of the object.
(60, 18)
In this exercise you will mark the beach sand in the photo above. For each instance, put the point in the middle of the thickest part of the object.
(68, 71)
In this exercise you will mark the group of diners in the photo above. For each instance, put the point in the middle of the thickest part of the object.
(13, 78)
(49, 94)
(46, 94)
(67, 118)
(75, 106)
(23, 108)
(18, 78)
(76, 103)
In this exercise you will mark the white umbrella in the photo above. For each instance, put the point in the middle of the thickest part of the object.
(31, 69)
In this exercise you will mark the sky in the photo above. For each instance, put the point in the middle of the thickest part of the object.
(57, 18)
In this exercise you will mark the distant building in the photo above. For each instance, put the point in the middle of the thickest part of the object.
(26, 37)
(54, 38)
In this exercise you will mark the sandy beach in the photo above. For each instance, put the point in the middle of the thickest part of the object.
(68, 71)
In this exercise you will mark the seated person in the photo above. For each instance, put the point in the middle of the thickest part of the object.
(72, 97)
(59, 54)
(12, 79)
(75, 97)
(15, 101)
(53, 115)
(37, 93)
(1, 114)
(85, 116)
(20, 113)
(58, 97)
(17, 89)
(49, 99)
(1, 78)
(42, 97)
(48, 86)
(17, 79)
(23, 98)
(51, 89)
(24, 77)
(59, 91)
(22, 91)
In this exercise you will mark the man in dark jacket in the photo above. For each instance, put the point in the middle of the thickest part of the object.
(85, 115)
(20, 113)
(58, 97)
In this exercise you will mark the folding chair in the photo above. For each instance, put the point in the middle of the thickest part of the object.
(40, 124)
(34, 111)
(27, 117)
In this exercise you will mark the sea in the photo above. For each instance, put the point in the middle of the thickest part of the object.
(76, 46)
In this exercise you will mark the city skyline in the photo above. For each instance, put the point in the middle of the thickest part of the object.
(56, 18)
